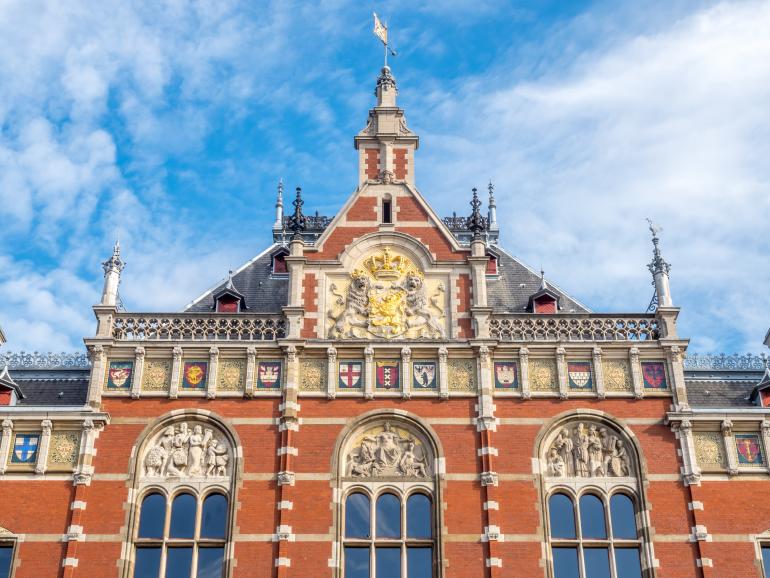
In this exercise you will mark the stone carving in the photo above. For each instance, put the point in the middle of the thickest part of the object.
(64, 449)
(156, 375)
(387, 297)
(185, 450)
(231, 375)
(588, 450)
(710, 450)
(617, 375)
(543, 375)
(461, 374)
(387, 452)
(312, 375)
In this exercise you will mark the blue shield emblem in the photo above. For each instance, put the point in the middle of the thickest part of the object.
(25, 449)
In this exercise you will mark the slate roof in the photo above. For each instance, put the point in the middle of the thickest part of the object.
(262, 291)
(67, 387)
(718, 389)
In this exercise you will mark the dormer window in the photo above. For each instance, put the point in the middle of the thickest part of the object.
(9, 390)
(545, 300)
(279, 266)
(544, 304)
(228, 304)
(492, 263)
(228, 299)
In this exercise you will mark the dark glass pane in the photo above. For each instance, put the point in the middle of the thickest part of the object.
(6, 557)
(622, 514)
(766, 560)
(356, 562)
(210, 562)
(388, 562)
(153, 516)
(183, 516)
(592, 517)
(565, 563)
(597, 562)
(147, 563)
(419, 562)
(562, 516)
(214, 517)
(179, 562)
(629, 565)
(388, 516)
(418, 518)
(357, 514)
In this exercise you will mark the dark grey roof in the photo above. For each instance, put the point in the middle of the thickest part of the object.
(510, 291)
(52, 387)
(721, 389)
(263, 292)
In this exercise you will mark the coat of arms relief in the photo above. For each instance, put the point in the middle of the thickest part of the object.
(388, 297)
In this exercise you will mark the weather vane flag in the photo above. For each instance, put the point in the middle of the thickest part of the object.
(381, 32)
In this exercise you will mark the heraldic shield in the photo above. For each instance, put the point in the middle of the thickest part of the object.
(579, 373)
(388, 375)
(350, 374)
(424, 375)
(654, 374)
(269, 375)
(506, 375)
(749, 449)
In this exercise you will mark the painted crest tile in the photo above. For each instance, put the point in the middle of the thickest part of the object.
(120, 375)
(269, 375)
(749, 450)
(25, 448)
(654, 375)
(424, 375)
(350, 375)
(387, 374)
(506, 375)
(195, 374)
(580, 375)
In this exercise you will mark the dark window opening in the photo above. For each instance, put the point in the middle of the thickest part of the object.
(387, 216)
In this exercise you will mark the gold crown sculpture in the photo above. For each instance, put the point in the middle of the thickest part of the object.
(387, 266)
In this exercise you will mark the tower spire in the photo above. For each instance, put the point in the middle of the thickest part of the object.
(659, 269)
(279, 206)
(492, 211)
(112, 270)
(298, 220)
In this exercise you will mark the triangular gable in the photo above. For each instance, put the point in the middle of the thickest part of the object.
(412, 216)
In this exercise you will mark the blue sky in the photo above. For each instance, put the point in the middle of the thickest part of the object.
(170, 123)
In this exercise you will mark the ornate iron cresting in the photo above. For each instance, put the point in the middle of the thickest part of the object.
(566, 327)
(48, 360)
(723, 362)
(197, 327)
(298, 221)
(476, 222)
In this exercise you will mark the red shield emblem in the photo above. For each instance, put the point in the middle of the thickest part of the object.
(388, 374)
(749, 451)
(350, 374)
(654, 374)
(269, 374)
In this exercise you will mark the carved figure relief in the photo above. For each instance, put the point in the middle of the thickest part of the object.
(588, 450)
(387, 297)
(187, 450)
(157, 375)
(387, 451)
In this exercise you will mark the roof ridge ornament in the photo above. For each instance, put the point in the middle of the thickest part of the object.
(297, 221)
(476, 222)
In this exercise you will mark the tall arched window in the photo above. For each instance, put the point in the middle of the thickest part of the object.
(181, 525)
(388, 519)
(595, 522)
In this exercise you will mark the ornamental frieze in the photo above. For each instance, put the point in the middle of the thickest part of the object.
(588, 450)
(232, 375)
(157, 375)
(617, 375)
(387, 297)
(710, 450)
(64, 449)
(187, 450)
(387, 451)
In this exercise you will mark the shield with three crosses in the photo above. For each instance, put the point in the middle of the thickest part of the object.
(350, 374)
(25, 448)
(387, 374)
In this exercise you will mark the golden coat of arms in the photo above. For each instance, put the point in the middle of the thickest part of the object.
(387, 298)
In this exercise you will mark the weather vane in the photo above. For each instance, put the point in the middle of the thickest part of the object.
(381, 32)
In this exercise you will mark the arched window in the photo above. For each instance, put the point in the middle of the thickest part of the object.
(595, 526)
(182, 521)
(389, 520)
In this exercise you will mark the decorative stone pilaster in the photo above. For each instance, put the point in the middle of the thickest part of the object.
(5, 444)
(690, 470)
(526, 393)
(727, 434)
(251, 368)
(176, 372)
(42, 449)
(486, 406)
(97, 358)
(369, 372)
(766, 440)
(406, 381)
(84, 471)
(676, 364)
(136, 384)
(636, 372)
(443, 373)
(331, 375)
(211, 383)
(596, 356)
(561, 369)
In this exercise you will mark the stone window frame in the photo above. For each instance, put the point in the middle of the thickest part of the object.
(138, 489)
(760, 541)
(634, 486)
(8, 538)
(403, 491)
(343, 486)
(196, 542)
(605, 493)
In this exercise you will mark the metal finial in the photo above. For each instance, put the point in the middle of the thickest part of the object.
(658, 263)
(230, 280)
(280, 191)
(491, 189)
(114, 263)
(298, 221)
(476, 222)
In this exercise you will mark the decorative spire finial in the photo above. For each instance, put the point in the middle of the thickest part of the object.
(659, 269)
(297, 221)
(230, 280)
(492, 211)
(476, 222)
(543, 283)
(114, 263)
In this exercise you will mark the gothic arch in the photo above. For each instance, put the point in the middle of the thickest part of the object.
(406, 244)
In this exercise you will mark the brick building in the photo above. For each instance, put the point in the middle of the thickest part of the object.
(385, 393)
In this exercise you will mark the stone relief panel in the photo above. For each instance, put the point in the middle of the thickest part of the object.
(710, 450)
(188, 449)
(388, 297)
(461, 375)
(387, 451)
(543, 375)
(312, 375)
(64, 449)
(588, 449)
(231, 375)
(617, 375)
(156, 375)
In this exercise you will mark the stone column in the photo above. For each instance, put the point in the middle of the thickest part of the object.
(331, 372)
(479, 310)
(443, 373)
(676, 364)
(561, 368)
(5, 444)
(368, 372)
(295, 311)
(41, 465)
(136, 382)
(406, 381)
(97, 357)
(598, 372)
(727, 434)
(251, 367)
(211, 382)
(692, 471)
(636, 372)
(524, 362)
(176, 373)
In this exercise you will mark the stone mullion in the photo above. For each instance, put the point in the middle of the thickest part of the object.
(636, 372)
(369, 372)
(676, 364)
(251, 366)
(331, 373)
(443, 374)
(211, 382)
(41, 464)
(136, 383)
(596, 356)
(176, 371)
(729, 441)
(526, 393)
(97, 356)
(561, 369)
(5, 444)
(406, 380)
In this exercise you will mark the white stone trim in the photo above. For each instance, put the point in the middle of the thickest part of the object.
(497, 562)
(705, 562)
(283, 562)
(285, 505)
(73, 562)
(287, 450)
(487, 451)
(78, 505)
(695, 505)
(491, 505)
